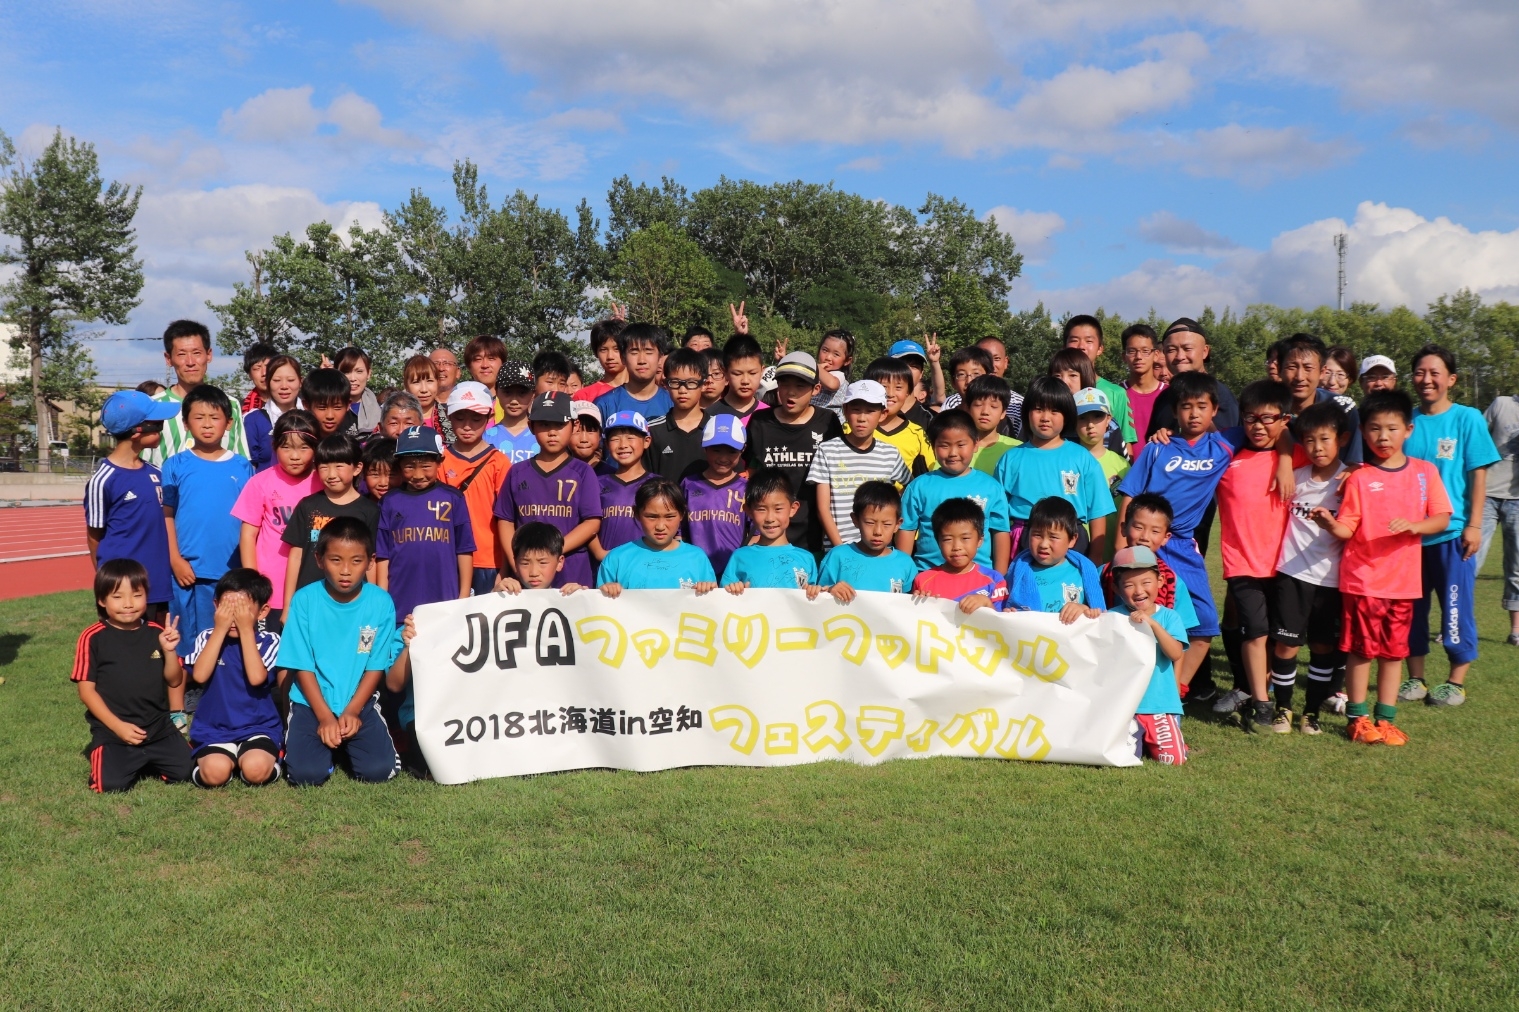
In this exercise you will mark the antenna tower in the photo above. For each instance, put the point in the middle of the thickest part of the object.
(1339, 249)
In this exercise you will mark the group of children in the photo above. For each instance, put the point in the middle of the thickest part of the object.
(288, 589)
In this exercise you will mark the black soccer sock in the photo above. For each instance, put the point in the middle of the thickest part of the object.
(1283, 678)
(1321, 669)
(1234, 640)
(1337, 678)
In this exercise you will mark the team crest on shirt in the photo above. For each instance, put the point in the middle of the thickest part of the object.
(896, 586)
(1069, 480)
(979, 500)
(801, 577)
(366, 639)
(1071, 592)
(1445, 449)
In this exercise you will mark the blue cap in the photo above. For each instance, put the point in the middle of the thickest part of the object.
(125, 410)
(627, 420)
(1091, 399)
(724, 430)
(419, 439)
(902, 349)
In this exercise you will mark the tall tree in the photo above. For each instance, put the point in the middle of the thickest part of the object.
(75, 255)
(663, 277)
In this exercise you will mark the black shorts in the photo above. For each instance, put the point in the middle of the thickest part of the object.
(1303, 613)
(235, 750)
(1252, 604)
(116, 766)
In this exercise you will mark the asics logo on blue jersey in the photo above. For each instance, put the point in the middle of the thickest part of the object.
(1189, 465)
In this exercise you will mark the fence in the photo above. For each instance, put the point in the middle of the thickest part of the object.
(84, 465)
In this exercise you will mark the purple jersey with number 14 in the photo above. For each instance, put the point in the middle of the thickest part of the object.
(422, 535)
(618, 525)
(565, 497)
(715, 517)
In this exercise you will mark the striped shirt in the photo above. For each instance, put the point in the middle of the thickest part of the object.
(176, 438)
(1014, 409)
(844, 469)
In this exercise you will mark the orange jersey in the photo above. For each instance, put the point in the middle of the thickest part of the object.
(489, 469)
(1252, 519)
(1378, 563)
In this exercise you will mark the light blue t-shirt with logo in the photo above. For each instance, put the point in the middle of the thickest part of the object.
(891, 572)
(779, 567)
(338, 642)
(1456, 441)
(1162, 695)
(1028, 474)
(924, 494)
(633, 565)
(1059, 585)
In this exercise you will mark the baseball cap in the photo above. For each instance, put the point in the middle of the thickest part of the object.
(904, 349)
(799, 364)
(125, 410)
(585, 409)
(1091, 399)
(868, 391)
(514, 374)
(470, 396)
(1371, 362)
(419, 439)
(724, 430)
(1134, 557)
(552, 407)
(628, 420)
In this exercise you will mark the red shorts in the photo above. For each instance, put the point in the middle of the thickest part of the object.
(1376, 627)
(1161, 738)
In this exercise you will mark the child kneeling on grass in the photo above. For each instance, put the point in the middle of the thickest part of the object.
(1136, 570)
(124, 667)
(340, 638)
(659, 560)
(237, 726)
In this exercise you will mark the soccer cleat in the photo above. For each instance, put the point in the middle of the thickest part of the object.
(1257, 722)
(1336, 703)
(1391, 734)
(1230, 701)
(1360, 729)
(1513, 639)
(1282, 722)
(1449, 694)
(1207, 692)
(1309, 724)
(1412, 690)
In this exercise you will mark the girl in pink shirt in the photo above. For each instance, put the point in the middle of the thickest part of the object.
(271, 496)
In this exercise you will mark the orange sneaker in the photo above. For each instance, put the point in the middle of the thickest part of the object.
(1391, 734)
(1360, 729)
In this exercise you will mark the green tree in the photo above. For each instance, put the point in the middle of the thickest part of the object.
(74, 254)
(663, 277)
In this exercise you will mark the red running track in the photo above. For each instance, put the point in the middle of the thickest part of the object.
(43, 551)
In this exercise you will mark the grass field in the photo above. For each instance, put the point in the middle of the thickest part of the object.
(1270, 873)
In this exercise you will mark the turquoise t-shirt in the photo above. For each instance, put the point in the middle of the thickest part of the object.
(338, 642)
(779, 567)
(1028, 474)
(1162, 696)
(636, 566)
(1184, 606)
(1456, 441)
(1059, 585)
(891, 572)
(924, 494)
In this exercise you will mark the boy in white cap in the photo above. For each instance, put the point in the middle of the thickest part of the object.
(841, 465)
(477, 469)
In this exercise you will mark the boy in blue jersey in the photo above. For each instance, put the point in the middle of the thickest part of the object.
(953, 437)
(1048, 575)
(870, 563)
(1159, 711)
(237, 727)
(658, 560)
(513, 435)
(1455, 439)
(772, 561)
(644, 347)
(200, 487)
(958, 524)
(340, 638)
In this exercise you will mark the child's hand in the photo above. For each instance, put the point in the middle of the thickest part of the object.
(918, 597)
(931, 347)
(226, 614)
(1321, 516)
(1139, 618)
(704, 587)
(1074, 610)
(611, 590)
(244, 613)
(1161, 436)
(131, 733)
(409, 630)
(330, 731)
(184, 573)
(780, 348)
(508, 584)
(974, 602)
(740, 321)
(1398, 525)
(842, 592)
(737, 588)
(813, 590)
(570, 588)
(348, 725)
(168, 639)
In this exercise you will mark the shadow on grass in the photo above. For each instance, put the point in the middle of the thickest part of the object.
(10, 646)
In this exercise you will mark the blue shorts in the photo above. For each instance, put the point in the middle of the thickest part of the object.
(1453, 580)
(483, 581)
(195, 607)
(1181, 554)
(309, 762)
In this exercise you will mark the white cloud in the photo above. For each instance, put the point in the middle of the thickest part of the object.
(286, 115)
(1395, 257)
(1180, 235)
(1033, 231)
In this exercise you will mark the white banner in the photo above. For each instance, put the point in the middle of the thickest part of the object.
(507, 685)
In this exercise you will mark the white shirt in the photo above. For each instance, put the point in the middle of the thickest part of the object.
(1310, 553)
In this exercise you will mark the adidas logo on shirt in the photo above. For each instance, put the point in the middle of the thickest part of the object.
(129, 496)
(668, 449)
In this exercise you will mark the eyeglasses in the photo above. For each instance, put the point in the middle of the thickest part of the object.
(1261, 419)
(684, 384)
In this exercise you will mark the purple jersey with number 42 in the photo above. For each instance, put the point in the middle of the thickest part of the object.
(422, 534)
(565, 497)
(715, 520)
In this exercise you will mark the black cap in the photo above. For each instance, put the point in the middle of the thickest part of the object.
(552, 407)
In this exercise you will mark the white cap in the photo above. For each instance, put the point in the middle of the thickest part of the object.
(1371, 362)
(868, 391)
(470, 396)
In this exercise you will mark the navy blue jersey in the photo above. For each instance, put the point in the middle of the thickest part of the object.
(126, 503)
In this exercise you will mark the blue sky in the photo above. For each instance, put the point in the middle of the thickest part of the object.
(1166, 153)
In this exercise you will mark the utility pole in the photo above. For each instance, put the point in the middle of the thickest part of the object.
(1339, 249)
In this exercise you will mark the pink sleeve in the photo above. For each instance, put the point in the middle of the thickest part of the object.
(249, 507)
(1439, 500)
(1350, 503)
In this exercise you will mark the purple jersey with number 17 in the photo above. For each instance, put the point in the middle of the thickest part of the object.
(715, 517)
(618, 525)
(564, 497)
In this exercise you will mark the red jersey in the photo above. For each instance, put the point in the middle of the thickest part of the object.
(1378, 563)
(983, 580)
(1252, 519)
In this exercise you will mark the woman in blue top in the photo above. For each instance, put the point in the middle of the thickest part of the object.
(1050, 464)
(659, 560)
